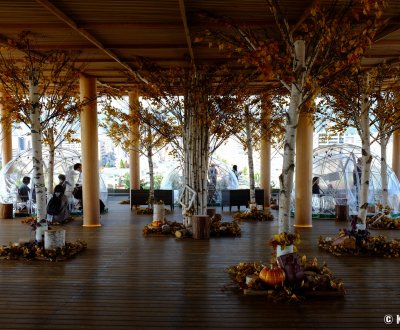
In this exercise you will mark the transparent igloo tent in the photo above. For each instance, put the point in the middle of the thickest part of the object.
(220, 179)
(12, 173)
(334, 166)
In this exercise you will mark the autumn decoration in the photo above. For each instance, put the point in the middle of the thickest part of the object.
(217, 228)
(254, 214)
(383, 219)
(360, 242)
(36, 251)
(285, 239)
(271, 281)
(272, 275)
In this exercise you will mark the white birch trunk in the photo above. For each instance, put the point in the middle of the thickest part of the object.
(286, 177)
(384, 178)
(151, 166)
(37, 157)
(366, 159)
(249, 146)
(50, 174)
(196, 144)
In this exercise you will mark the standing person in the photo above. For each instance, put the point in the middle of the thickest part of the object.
(316, 190)
(316, 195)
(57, 208)
(24, 189)
(78, 168)
(235, 171)
(78, 193)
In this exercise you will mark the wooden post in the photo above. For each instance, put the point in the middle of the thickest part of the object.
(396, 153)
(201, 226)
(6, 137)
(90, 155)
(304, 160)
(134, 164)
(265, 151)
(6, 211)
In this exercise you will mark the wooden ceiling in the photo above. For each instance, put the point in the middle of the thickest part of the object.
(110, 34)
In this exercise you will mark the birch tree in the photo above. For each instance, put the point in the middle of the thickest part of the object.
(155, 132)
(328, 39)
(386, 116)
(348, 103)
(203, 102)
(37, 91)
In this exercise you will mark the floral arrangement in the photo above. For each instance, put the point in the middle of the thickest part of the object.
(382, 221)
(318, 280)
(385, 209)
(377, 246)
(144, 210)
(35, 251)
(284, 239)
(172, 227)
(33, 223)
(359, 242)
(226, 229)
(254, 214)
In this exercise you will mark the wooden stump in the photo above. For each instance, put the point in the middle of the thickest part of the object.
(211, 211)
(6, 211)
(342, 212)
(54, 238)
(201, 226)
(183, 233)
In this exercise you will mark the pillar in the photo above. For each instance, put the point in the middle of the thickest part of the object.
(303, 172)
(90, 154)
(6, 138)
(396, 153)
(265, 151)
(134, 156)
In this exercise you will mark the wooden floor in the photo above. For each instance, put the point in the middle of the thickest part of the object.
(127, 281)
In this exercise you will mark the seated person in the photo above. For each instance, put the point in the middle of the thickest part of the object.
(24, 190)
(64, 183)
(57, 207)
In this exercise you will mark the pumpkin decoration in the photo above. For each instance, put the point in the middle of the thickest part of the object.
(157, 223)
(272, 276)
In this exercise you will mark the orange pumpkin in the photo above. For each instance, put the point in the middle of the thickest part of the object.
(272, 276)
(157, 223)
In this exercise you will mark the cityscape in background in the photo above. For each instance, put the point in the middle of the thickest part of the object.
(114, 161)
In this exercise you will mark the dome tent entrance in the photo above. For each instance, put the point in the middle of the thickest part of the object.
(335, 166)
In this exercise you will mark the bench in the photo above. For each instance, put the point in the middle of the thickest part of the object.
(240, 197)
(117, 192)
(140, 197)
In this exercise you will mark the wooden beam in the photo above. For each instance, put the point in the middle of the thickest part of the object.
(186, 28)
(58, 13)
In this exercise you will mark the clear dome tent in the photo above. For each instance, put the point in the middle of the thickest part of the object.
(335, 165)
(220, 178)
(12, 173)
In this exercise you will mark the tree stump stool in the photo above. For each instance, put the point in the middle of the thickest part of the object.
(6, 211)
(201, 226)
(211, 211)
(342, 212)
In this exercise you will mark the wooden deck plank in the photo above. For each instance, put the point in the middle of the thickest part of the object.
(125, 281)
